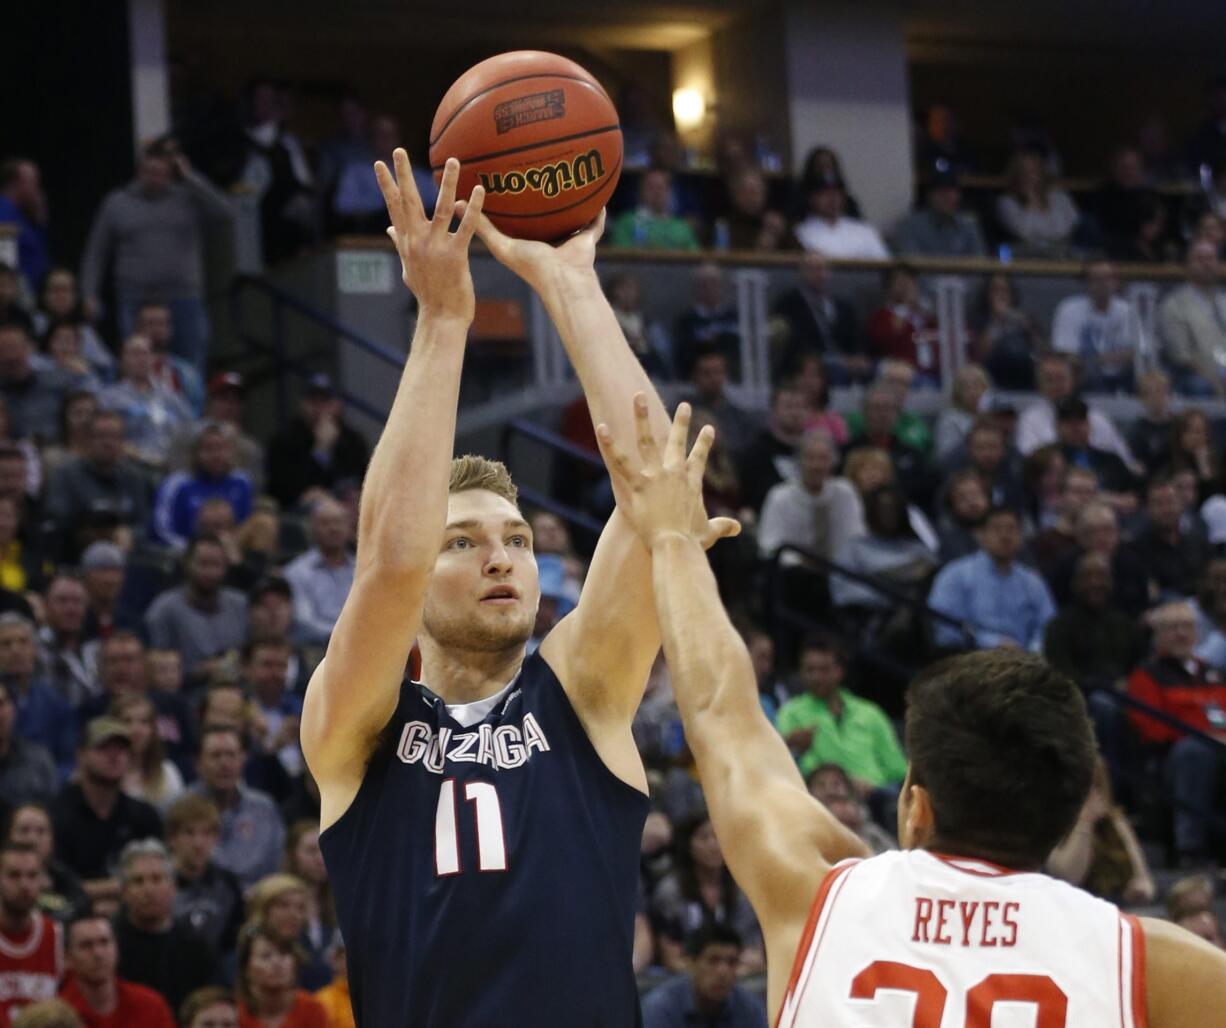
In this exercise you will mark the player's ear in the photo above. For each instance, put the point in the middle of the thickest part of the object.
(917, 826)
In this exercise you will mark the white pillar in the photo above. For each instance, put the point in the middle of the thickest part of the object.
(847, 89)
(150, 80)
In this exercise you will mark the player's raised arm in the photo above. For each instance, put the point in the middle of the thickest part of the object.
(768, 825)
(604, 650)
(355, 689)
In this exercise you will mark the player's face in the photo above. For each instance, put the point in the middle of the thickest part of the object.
(484, 591)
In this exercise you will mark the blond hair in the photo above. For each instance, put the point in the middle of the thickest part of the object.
(271, 888)
(50, 1013)
(473, 472)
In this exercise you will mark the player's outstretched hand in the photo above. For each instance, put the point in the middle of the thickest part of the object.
(534, 261)
(665, 489)
(433, 259)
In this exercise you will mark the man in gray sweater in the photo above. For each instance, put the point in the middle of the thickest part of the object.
(153, 230)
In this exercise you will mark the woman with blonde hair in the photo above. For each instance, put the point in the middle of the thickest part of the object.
(970, 386)
(151, 777)
(304, 860)
(868, 468)
(268, 969)
(281, 902)
(1039, 217)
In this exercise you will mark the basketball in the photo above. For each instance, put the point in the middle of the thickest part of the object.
(539, 133)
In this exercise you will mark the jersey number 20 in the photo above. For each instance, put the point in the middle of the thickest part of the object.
(491, 840)
(1048, 999)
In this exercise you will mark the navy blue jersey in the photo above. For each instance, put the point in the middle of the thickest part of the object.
(486, 876)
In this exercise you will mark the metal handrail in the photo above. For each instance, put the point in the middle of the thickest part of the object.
(1123, 699)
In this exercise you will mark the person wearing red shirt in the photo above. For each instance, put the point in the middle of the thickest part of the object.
(1184, 687)
(96, 992)
(267, 978)
(903, 329)
(31, 945)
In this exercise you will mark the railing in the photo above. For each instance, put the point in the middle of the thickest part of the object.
(557, 445)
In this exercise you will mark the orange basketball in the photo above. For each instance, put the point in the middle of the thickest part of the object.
(539, 133)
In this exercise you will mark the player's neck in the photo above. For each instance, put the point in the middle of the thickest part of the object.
(948, 848)
(465, 676)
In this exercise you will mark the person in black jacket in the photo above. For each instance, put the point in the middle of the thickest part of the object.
(810, 320)
(315, 450)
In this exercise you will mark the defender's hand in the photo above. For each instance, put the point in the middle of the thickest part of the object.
(537, 262)
(665, 490)
(434, 260)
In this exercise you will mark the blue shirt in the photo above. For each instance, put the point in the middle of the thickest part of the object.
(33, 256)
(45, 717)
(996, 606)
(671, 1005)
(320, 590)
(181, 496)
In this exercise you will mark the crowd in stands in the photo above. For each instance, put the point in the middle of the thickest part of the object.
(168, 582)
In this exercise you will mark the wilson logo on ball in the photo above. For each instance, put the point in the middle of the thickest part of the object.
(549, 179)
(527, 110)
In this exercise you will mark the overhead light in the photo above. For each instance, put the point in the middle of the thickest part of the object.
(689, 108)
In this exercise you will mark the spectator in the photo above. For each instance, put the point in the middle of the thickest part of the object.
(321, 577)
(200, 619)
(986, 454)
(224, 407)
(1039, 218)
(966, 505)
(997, 600)
(32, 396)
(181, 495)
(94, 990)
(1150, 438)
(1182, 686)
(76, 411)
(156, 949)
(103, 574)
(1116, 481)
(1172, 558)
(809, 374)
(31, 947)
(698, 892)
(65, 663)
(831, 786)
(357, 201)
(1037, 425)
(1099, 328)
(708, 993)
(1052, 546)
(829, 724)
(278, 711)
(970, 389)
(750, 223)
(316, 450)
(61, 894)
(1101, 854)
(207, 897)
(63, 353)
(1151, 242)
(880, 428)
(150, 234)
(102, 481)
(736, 427)
(816, 511)
(1121, 203)
(1192, 452)
(279, 902)
(870, 468)
(24, 204)
(1208, 142)
(12, 306)
(647, 339)
(252, 835)
(1192, 326)
(903, 328)
(267, 976)
(770, 457)
(172, 369)
(152, 777)
(1006, 341)
(60, 303)
(304, 859)
(830, 231)
(244, 568)
(270, 613)
(351, 142)
(93, 818)
(27, 770)
(151, 413)
(939, 146)
(941, 228)
(807, 319)
(711, 322)
(821, 164)
(43, 716)
(652, 224)
(338, 1005)
(210, 1007)
(23, 564)
(1091, 641)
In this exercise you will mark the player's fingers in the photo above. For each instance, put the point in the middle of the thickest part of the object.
(488, 233)
(598, 227)
(696, 463)
(445, 207)
(615, 458)
(471, 211)
(411, 211)
(391, 193)
(678, 433)
(649, 451)
(723, 528)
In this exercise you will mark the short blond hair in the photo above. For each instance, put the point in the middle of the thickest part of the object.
(473, 472)
(50, 1013)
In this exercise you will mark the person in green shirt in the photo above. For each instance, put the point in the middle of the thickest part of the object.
(651, 225)
(828, 724)
(910, 428)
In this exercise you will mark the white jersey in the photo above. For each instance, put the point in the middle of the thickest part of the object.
(910, 939)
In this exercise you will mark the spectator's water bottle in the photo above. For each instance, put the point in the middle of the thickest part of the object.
(722, 239)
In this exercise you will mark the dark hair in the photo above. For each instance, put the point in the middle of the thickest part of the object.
(714, 933)
(983, 304)
(251, 932)
(687, 875)
(67, 401)
(821, 642)
(201, 539)
(17, 847)
(12, 324)
(1003, 744)
(220, 728)
(83, 914)
(874, 504)
(10, 170)
(830, 768)
(271, 642)
(28, 805)
(202, 999)
(1000, 510)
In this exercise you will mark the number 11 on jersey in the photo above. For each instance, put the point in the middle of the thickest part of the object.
(491, 839)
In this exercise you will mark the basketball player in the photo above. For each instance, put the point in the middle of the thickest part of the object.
(31, 944)
(481, 828)
(959, 927)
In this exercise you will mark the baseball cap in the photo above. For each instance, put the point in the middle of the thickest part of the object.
(101, 555)
(320, 383)
(225, 380)
(102, 730)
